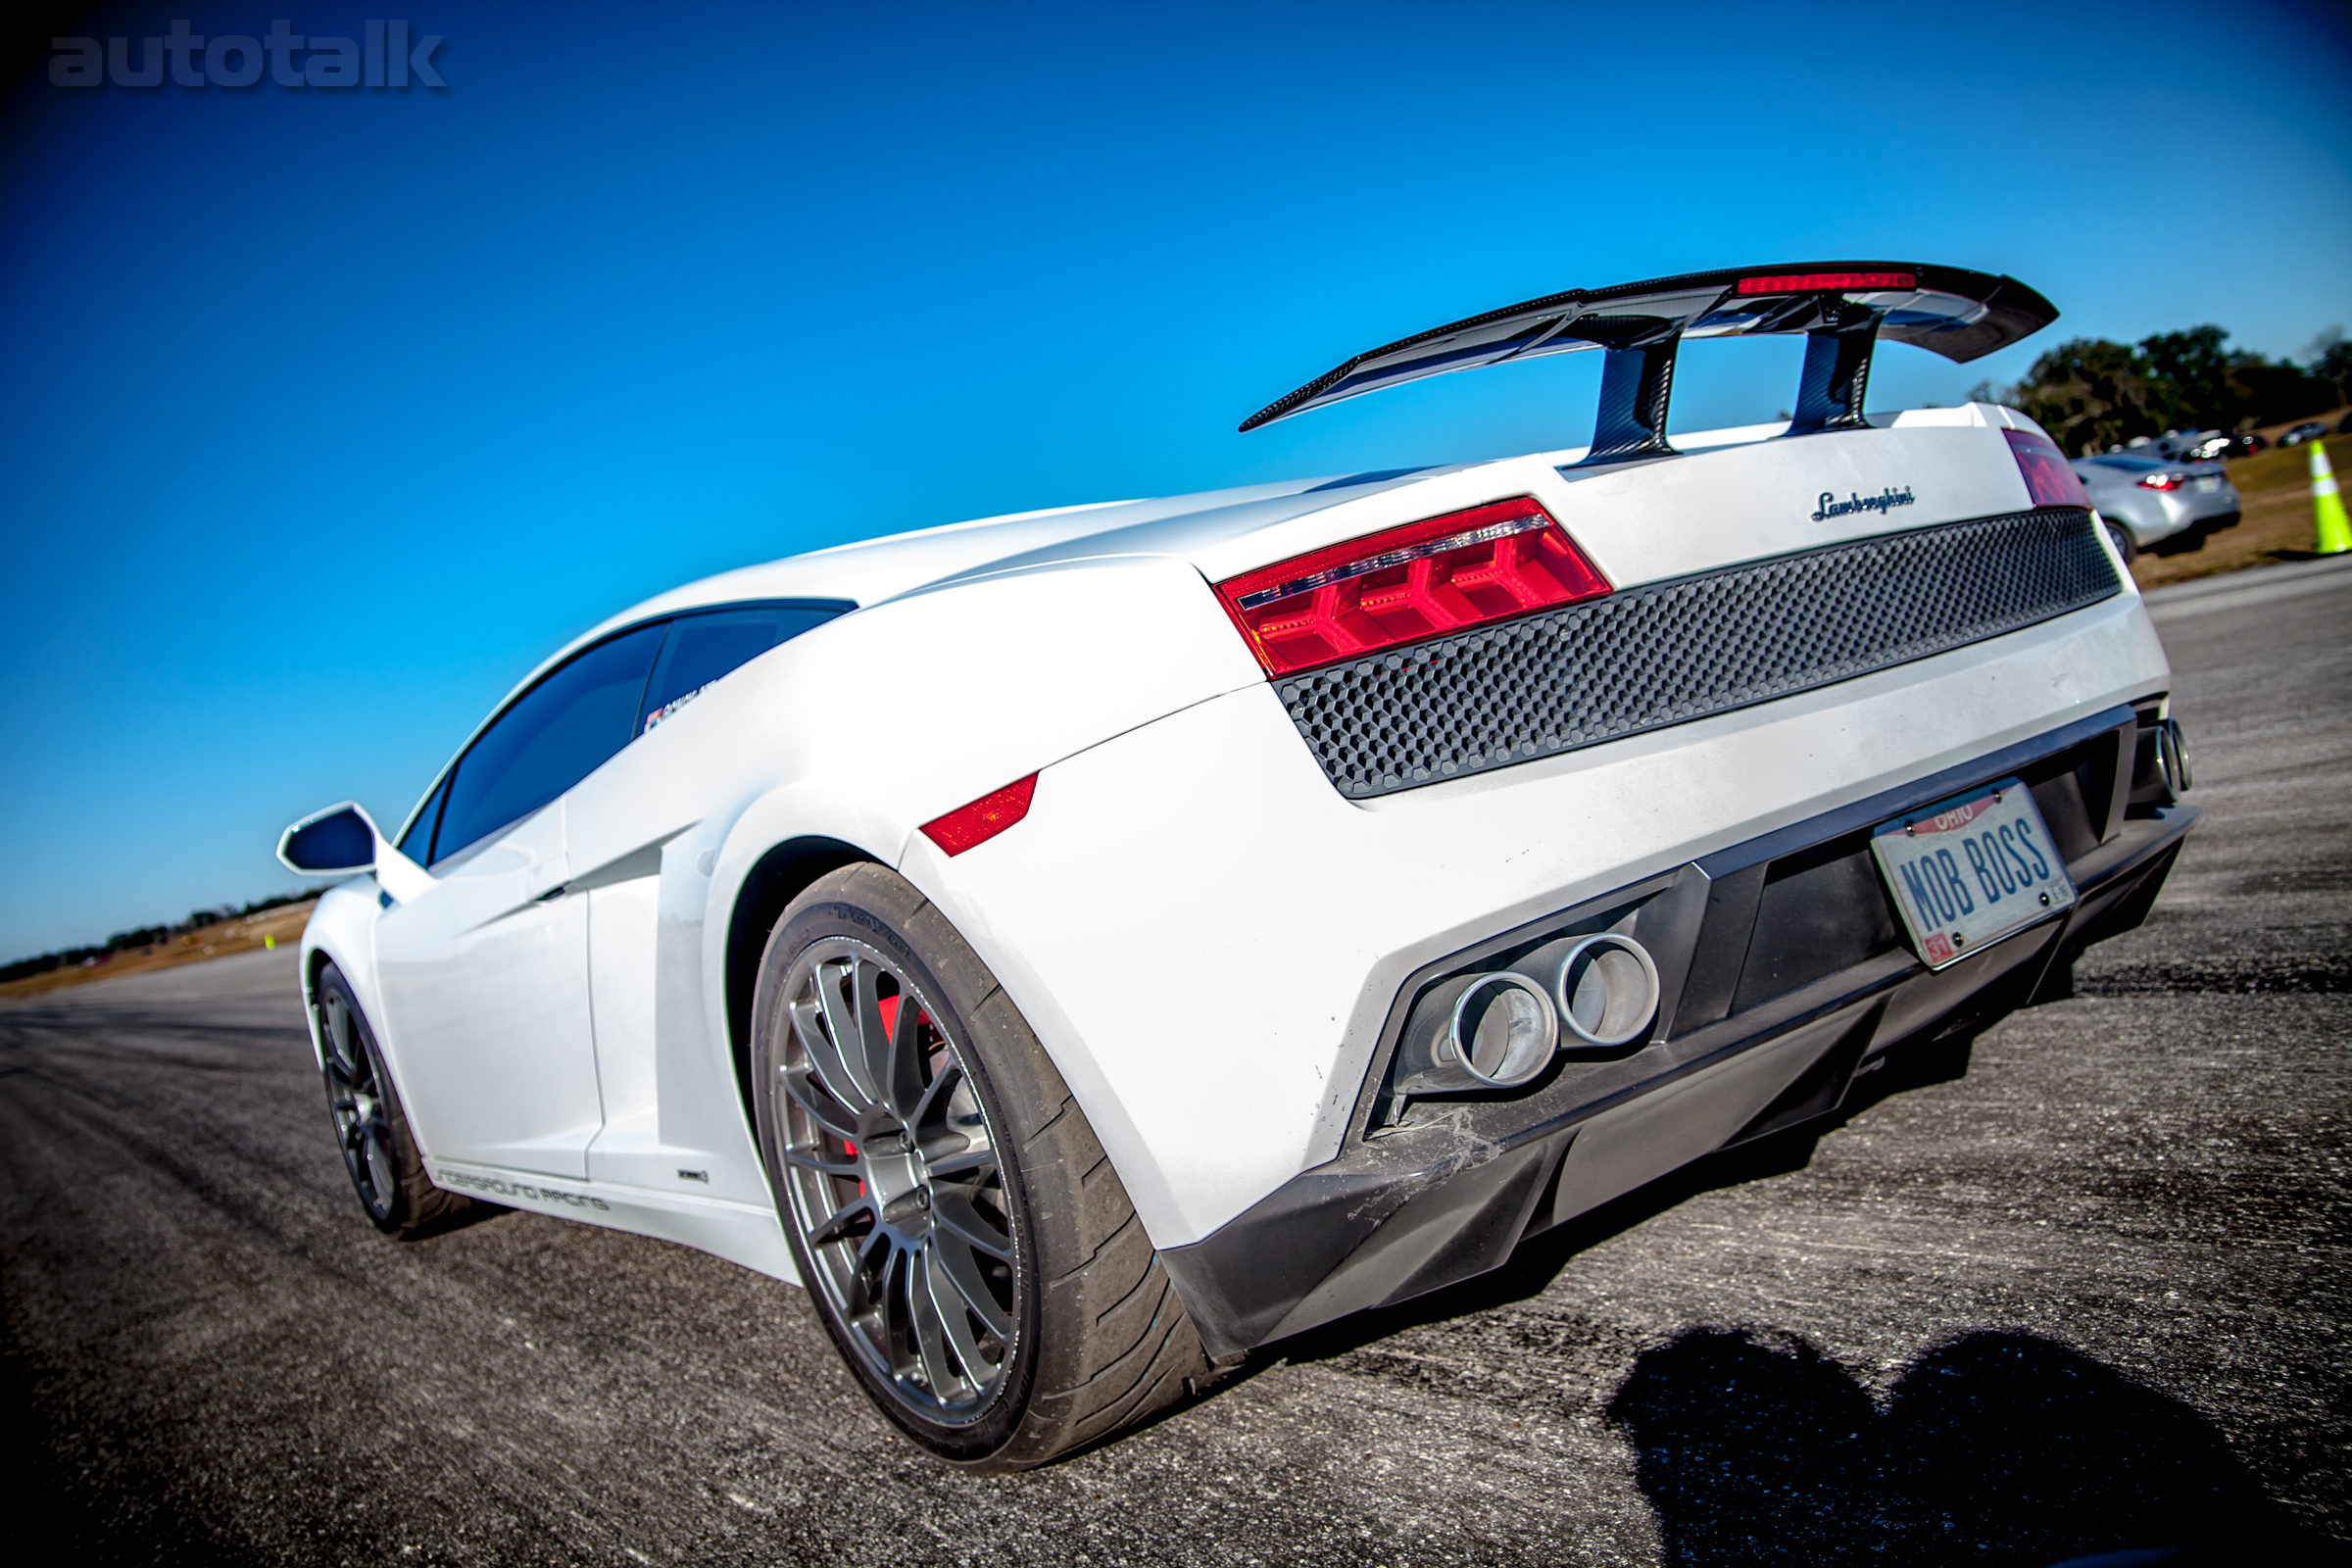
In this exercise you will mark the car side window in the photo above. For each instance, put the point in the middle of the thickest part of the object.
(549, 739)
(418, 842)
(703, 646)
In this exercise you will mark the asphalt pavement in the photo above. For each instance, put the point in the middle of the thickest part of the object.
(2078, 1285)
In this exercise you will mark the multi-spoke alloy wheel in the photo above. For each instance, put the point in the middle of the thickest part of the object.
(387, 1170)
(969, 1245)
(895, 1184)
(355, 1099)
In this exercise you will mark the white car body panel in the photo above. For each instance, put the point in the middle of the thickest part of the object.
(1760, 500)
(1136, 915)
(1202, 1115)
(484, 997)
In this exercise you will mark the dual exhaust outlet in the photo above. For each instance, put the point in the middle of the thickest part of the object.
(1499, 1030)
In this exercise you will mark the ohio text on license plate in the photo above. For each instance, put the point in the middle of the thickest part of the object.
(1970, 870)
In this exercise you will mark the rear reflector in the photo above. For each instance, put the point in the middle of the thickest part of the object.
(2049, 480)
(991, 814)
(1814, 282)
(1425, 579)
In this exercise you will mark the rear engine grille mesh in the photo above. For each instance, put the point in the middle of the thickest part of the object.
(1671, 651)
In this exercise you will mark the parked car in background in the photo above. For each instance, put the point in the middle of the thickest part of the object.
(2178, 444)
(2200, 446)
(2195, 446)
(2164, 505)
(2307, 430)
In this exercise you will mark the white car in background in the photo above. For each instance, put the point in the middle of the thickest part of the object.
(2164, 505)
(1083, 946)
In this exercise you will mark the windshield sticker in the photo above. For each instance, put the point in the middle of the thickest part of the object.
(669, 708)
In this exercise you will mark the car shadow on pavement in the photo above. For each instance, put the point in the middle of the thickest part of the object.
(1995, 1448)
(475, 1212)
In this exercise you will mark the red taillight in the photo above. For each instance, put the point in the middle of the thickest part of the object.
(1425, 579)
(2163, 481)
(975, 825)
(2049, 480)
(1812, 283)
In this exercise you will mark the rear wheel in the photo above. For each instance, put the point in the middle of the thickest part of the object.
(2121, 540)
(960, 1230)
(380, 1152)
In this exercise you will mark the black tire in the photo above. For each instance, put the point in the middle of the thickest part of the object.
(1081, 1332)
(2121, 540)
(379, 1152)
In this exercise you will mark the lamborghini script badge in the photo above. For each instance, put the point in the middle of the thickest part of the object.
(1831, 507)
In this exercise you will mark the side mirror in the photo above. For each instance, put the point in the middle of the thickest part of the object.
(339, 841)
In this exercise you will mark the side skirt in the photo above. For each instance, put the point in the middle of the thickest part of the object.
(748, 1233)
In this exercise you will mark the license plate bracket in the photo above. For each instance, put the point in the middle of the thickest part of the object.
(1971, 869)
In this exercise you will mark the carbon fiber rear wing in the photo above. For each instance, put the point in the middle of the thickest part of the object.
(1842, 307)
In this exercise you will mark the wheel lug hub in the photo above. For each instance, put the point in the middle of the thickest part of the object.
(893, 1173)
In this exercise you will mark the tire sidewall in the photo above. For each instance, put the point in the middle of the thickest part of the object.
(830, 911)
(395, 1219)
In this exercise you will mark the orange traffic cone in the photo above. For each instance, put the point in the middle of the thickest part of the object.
(2333, 535)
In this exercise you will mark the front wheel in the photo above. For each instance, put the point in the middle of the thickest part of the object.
(379, 1152)
(963, 1234)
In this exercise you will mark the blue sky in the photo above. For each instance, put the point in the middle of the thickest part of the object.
(323, 415)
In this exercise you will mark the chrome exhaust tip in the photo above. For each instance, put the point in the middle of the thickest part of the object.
(2172, 757)
(1502, 1030)
(1607, 988)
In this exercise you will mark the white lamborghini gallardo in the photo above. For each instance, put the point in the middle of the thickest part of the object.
(1080, 947)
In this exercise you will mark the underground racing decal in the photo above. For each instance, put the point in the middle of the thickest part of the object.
(503, 1189)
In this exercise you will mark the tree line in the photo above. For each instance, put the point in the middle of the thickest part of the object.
(145, 936)
(2093, 394)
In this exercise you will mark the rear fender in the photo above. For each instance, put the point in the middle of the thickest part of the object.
(933, 700)
(819, 828)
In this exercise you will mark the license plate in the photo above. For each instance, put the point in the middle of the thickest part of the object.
(1970, 870)
(2209, 481)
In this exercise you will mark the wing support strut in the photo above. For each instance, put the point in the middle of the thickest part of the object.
(1837, 373)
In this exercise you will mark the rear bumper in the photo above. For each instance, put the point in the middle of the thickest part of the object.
(2154, 517)
(2209, 508)
(1752, 1038)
